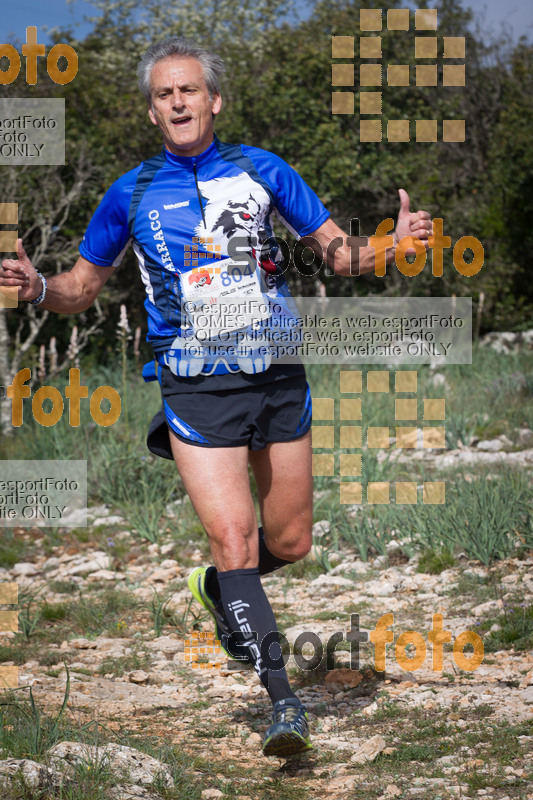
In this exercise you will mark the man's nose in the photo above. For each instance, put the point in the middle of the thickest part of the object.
(178, 99)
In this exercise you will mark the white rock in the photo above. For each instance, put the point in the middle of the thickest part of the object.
(525, 437)
(392, 791)
(212, 793)
(90, 562)
(142, 768)
(320, 528)
(490, 445)
(487, 608)
(369, 750)
(527, 695)
(350, 565)
(335, 743)
(82, 644)
(76, 519)
(36, 776)
(169, 563)
(331, 580)
(138, 676)
(98, 511)
(392, 547)
(438, 379)
(166, 644)
(380, 588)
(24, 570)
(131, 792)
(111, 520)
(106, 575)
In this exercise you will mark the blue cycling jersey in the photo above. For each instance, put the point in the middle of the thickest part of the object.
(201, 229)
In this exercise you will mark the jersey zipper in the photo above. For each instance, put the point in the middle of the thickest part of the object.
(198, 193)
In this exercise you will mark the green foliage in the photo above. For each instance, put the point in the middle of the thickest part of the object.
(483, 517)
(120, 666)
(28, 615)
(515, 628)
(25, 731)
(435, 561)
(161, 613)
(11, 549)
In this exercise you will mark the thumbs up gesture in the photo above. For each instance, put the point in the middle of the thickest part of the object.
(21, 272)
(409, 223)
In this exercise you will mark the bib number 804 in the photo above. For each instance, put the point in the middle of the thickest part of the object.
(236, 274)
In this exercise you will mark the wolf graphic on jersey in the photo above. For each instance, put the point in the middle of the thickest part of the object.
(245, 215)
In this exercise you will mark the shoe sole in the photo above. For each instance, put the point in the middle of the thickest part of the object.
(286, 744)
(192, 583)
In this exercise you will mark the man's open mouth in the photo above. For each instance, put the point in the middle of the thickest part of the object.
(181, 121)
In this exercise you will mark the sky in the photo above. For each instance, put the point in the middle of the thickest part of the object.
(517, 15)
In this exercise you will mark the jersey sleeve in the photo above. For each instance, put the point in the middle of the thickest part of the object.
(107, 234)
(297, 206)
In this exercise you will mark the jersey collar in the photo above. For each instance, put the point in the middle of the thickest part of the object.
(190, 162)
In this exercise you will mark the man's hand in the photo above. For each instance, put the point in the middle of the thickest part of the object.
(409, 223)
(21, 272)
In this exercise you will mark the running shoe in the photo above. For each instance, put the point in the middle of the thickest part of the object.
(289, 733)
(223, 632)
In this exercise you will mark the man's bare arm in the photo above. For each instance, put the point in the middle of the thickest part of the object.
(67, 293)
(352, 255)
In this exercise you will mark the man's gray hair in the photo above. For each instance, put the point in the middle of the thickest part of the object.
(184, 48)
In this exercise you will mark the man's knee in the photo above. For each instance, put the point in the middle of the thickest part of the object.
(292, 549)
(233, 544)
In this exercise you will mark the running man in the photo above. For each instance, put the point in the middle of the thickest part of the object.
(224, 406)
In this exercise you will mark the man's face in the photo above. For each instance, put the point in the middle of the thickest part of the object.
(181, 107)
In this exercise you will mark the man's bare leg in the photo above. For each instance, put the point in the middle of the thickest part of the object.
(218, 484)
(216, 480)
(283, 476)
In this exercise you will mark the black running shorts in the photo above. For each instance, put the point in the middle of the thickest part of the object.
(253, 416)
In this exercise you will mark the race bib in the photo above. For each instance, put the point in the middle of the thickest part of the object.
(223, 298)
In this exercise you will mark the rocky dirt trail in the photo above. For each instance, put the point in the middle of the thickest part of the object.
(406, 733)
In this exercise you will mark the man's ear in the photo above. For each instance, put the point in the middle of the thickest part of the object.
(151, 114)
(217, 104)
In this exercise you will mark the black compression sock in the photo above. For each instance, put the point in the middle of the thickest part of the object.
(211, 583)
(250, 615)
(267, 561)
